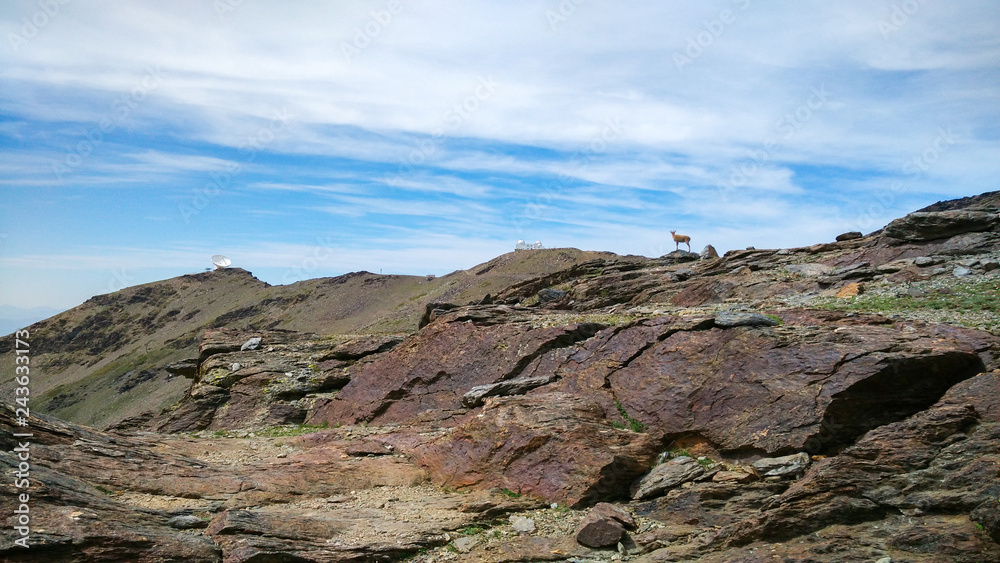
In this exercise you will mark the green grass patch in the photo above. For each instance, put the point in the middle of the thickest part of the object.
(707, 462)
(977, 296)
(633, 424)
(295, 430)
(609, 319)
(511, 493)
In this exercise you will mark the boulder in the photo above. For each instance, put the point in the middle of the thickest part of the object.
(666, 476)
(922, 226)
(519, 386)
(186, 368)
(548, 295)
(465, 544)
(522, 524)
(432, 311)
(599, 531)
(785, 466)
(708, 253)
(614, 512)
(851, 235)
(682, 274)
(680, 256)
(731, 319)
(733, 477)
(251, 344)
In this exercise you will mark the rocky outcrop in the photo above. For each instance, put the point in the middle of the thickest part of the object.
(97, 497)
(731, 319)
(850, 235)
(708, 253)
(933, 462)
(814, 384)
(666, 476)
(271, 383)
(921, 226)
(910, 490)
(434, 369)
(784, 466)
(791, 388)
(555, 446)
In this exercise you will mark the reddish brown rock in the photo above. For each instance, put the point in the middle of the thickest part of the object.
(614, 512)
(733, 477)
(700, 292)
(598, 531)
(931, 225)
(361, 347)
(532, 548)
(777, 390)
(436, 367)
(906, 466)
(368, 447)
(788, 389)
(981, 392)
(194, 412)
(555, 446)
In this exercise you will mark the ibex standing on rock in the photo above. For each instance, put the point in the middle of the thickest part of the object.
(678, 239)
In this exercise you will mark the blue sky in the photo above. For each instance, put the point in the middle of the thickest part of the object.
(306, 139)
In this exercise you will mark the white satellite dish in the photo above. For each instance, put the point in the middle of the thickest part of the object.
(221, 261)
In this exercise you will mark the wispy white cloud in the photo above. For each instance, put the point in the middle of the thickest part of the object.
(488, 121)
